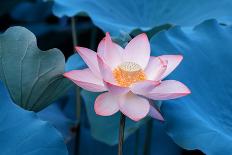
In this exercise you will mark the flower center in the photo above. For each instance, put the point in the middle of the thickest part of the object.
(128, 73)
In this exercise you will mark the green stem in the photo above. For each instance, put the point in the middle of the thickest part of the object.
(74, 32)
(78, 96)
(137, 142)
(148, 136)
(121, 133)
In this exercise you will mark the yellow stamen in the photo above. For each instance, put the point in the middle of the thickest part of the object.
(128, 73)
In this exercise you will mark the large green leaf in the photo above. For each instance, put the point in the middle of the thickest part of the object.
(33, 77)
(117, 16)
(23, 133)
(201, 120)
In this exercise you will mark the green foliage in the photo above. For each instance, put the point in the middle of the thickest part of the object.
(33, 77)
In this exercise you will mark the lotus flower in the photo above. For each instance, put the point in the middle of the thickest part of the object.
(129, 77)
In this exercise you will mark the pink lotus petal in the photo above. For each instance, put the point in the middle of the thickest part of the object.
(117, 90)
(154, 113)
(156, 68)
(144, 87)
(86, 80)
(110, 52)
(173, 62)
(133, 106)
(169, 89)
(106, 104)
(105, 71)
(138, 50)
(90, 58)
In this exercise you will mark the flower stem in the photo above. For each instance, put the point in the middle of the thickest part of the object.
(74, 31)
(78, 98)
(121, 133)
(137, 142)
(148, 136)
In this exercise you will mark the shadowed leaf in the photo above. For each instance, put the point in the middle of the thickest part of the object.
(203, 119)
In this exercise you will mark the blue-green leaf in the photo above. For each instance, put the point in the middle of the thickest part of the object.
(117, 16)
(33, 77)
(56, 116)
(74, 62)
(23, 133)
(203, 119)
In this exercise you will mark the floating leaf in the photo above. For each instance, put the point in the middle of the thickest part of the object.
(160, 139)
(118, 16)
(22, 132)
(203, 119)
(33, 77)
(56, 116)
(105, 129)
